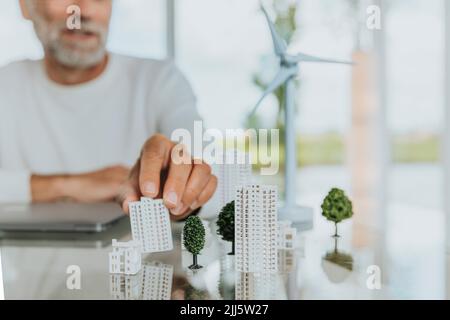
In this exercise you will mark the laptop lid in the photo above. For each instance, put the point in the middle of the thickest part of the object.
(59, 217)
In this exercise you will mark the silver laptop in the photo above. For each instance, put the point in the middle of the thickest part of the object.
(59, 217)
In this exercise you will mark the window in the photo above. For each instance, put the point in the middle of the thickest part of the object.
(220, 45)
(21, 43)
(138, 28)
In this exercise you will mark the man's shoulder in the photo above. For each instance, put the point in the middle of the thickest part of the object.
(153, 68)
(15, 71)
(141, 62)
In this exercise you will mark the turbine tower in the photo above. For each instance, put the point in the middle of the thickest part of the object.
(289, 69)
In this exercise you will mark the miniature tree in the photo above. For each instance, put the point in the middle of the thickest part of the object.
(194, 238)
(336, 207)
(225, 223)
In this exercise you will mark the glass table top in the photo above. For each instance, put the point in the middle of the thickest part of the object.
(362, 263)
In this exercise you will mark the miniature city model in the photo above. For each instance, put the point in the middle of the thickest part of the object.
(256, 228)
(286, 235)
(235, 171)
(150, 225)
(125, 257)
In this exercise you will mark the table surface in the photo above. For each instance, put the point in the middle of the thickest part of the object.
(38, 266)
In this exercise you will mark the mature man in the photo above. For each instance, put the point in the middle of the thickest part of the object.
(73, 123)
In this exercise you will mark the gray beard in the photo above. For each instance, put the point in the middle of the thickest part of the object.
(74, 59)
(79, 58)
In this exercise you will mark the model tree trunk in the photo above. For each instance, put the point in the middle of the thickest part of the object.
(336, 235)
(232, 249)
(195, 265)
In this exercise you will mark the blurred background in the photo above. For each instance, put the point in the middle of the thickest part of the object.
(225, 50)
(376, 130)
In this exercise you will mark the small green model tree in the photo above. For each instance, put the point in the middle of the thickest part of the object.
(194, 238)
(225, 223)
(336, 207)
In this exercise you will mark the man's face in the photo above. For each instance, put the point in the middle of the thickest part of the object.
(78, 48)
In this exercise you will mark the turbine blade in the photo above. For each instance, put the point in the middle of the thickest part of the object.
(278, 42)
(280, 79)
(307, 58)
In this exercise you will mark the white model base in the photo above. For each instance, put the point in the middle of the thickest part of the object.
(301, 217)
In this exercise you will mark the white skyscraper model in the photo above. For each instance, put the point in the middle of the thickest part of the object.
(256, 286)
(2, 292)
(235, 171)
(150, 225)
(256, 228)
(125, 257)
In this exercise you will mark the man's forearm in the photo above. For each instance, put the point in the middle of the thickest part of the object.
(97, 186)
(49, 188)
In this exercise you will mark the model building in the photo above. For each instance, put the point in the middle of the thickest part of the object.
(256, 286)
(150, 225)
(256, 228)
(235, 171)
(286, 235)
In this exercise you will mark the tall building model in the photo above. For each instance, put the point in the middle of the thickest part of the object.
(256, 286)
(256, 228)
(150, 225)
(235, 171)
(2, 291)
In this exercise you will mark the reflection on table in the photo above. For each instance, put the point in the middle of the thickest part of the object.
(153, 282)
(316, 267)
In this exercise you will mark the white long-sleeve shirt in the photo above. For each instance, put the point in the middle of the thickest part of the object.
(46, 128)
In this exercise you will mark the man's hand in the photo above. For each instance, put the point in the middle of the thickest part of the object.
(98, 186)
(183, 185)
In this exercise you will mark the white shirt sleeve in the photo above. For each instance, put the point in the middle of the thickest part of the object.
(177, 102)
(15, 186)
(14, 183)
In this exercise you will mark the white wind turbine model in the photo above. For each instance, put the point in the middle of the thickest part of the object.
(2, 292)
(289, 69)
